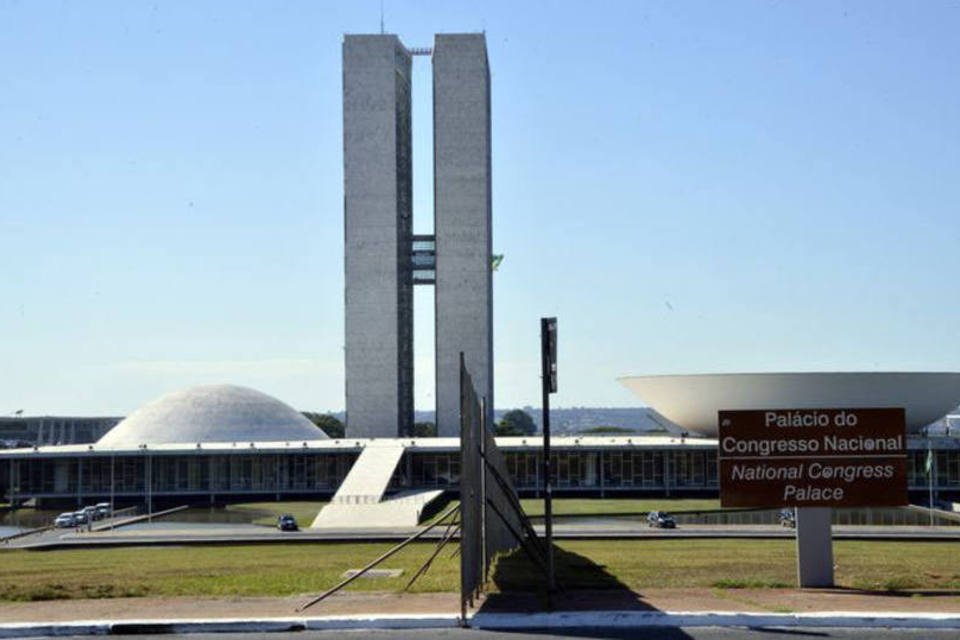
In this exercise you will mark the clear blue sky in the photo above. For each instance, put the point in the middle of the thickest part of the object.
(689, 187)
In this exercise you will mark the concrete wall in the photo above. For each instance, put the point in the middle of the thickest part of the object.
(377, 229)
(462, 221)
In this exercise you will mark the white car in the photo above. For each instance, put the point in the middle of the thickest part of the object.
(65, 521)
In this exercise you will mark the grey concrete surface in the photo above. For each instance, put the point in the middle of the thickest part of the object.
(651, 633)
(377, 173)
(462, 205)
(378, 229)
(252, 534)
(814, 547)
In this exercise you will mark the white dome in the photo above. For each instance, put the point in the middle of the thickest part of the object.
(692, 401)
(212, 413)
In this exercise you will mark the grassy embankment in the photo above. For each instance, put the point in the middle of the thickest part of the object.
(304, 511)
(279, 570)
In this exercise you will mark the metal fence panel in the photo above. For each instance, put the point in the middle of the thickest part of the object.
(492, 519)
(471, 531)
(503, 529)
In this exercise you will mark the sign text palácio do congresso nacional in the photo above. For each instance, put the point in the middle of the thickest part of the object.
(813, 458)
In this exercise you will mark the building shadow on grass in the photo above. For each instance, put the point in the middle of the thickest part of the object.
(583, 585)
(519, 586)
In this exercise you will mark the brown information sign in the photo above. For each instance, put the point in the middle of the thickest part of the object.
(813, 458)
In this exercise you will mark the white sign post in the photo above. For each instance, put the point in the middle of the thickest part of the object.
(814, 547)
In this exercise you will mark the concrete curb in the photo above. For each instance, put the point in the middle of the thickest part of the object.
(616, 619)
(227, 625)
(32, 629)
(502, 621)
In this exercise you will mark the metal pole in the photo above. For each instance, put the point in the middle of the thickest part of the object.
(600, 463)
(483, 493)
(446, 514)
(929, 466)
(149, 488)
(547, 488)
(79, 481)
(452, 529)
(14, 478)
(113, 507)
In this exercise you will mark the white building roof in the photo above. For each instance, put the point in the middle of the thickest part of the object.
(211, 413)
(692, 401)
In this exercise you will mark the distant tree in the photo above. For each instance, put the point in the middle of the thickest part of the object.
(501, 429)
(423, 430)
(608, 429)
(327, 423)
(516, 423)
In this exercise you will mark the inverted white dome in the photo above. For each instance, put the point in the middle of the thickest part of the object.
(212, 413)
(692, 401)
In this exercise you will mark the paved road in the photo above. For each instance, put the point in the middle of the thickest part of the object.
(643, 633)
(170, 533)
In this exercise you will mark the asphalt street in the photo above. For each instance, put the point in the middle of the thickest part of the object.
(642, 633)
(249, 535)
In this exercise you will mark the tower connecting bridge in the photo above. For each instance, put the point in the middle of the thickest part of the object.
(384, 260)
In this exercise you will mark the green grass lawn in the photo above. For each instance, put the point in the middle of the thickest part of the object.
(244, 570)
(870, 565)
(304, 511)
(280, 570)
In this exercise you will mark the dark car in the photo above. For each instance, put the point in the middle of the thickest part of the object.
(788, 518)
(287, 522)
(661, 520)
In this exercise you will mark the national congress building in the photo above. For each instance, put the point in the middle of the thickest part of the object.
(218, 443)
(384, 260)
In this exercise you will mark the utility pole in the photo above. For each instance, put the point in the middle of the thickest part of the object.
(548, 364)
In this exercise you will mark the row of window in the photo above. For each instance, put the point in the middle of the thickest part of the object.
(576, 469)
(171, 474)
(324, 472)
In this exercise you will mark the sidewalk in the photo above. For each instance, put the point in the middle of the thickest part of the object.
(661, 607)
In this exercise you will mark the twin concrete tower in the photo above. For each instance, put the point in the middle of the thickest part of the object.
(384, 260)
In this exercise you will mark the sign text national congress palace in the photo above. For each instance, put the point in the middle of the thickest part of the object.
(823, 457)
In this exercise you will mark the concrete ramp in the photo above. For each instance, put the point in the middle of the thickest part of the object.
(359, 503)
(370, 475)
(400, 511)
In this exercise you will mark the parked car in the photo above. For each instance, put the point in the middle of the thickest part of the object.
(80, 517)
(65, 521)
(788, 518)
(103, 508)
(661, 520)
(287, 522)
(91, 512)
